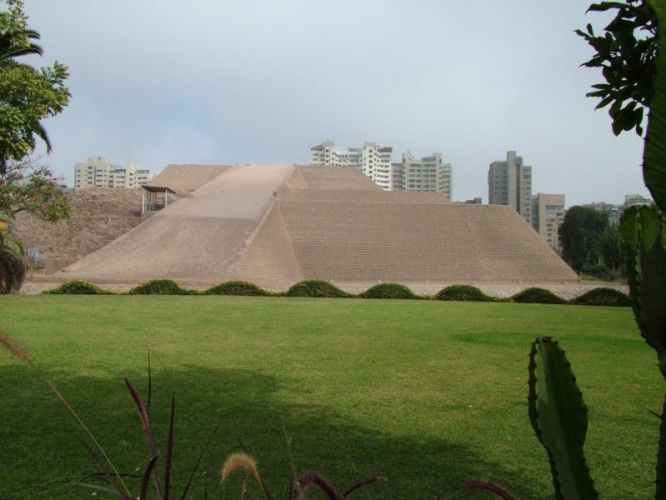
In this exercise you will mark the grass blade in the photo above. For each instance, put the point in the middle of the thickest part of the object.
(15, 349)
(494, 488)
(312, 478)
(146, 478)
(150, 385)
(169, 450)
(360, 484)
(143, 415)
(97, 487)
(198, 462)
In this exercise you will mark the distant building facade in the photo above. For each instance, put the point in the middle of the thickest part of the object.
(427, 174)
(510, 183)
(374, 161)
(615, 211)
(97, 172)
(547, 217)
(633, 200)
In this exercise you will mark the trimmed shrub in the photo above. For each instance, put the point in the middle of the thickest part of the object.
(603, 297)
(463, 292)
(238, 288)
(537, 296)
(160, 287)
(78, 287)
(389, 291)
(316, 288)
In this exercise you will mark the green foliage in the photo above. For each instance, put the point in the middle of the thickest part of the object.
(238, 288)
(626, 52)
(559, 418)
(644, 232)
(389, 291)
(602, 297)
(160, 287)
(654, 154)
(316, 288)
(12, 261)
(537, 296)
(462, 292)
(78, 287)
(28, 187)
(582, 236)
(27, 95)
(633, 56)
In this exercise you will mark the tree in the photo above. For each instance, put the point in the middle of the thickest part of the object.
(611, 248)
(28, 186)
(12, 263)
(626, 52)
(581, 236)
(27, 95)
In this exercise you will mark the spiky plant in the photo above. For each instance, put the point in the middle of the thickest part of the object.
(12, 261)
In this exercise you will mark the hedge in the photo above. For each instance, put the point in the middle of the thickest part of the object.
(160, 287)
(316, 288)
(78, 287)
(238, 288)
(602, 297)
(537, 296)
(463, 292)
(389, 291)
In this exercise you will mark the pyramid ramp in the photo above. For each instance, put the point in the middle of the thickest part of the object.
(196, 239)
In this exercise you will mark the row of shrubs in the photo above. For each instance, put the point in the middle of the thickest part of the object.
(314, 288)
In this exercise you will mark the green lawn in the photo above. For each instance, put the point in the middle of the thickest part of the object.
(427, 393)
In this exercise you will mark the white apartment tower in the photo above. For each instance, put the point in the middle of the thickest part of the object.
(97, 172)
(374, 161)
(510, 183)
(547, 217)
(425, 174)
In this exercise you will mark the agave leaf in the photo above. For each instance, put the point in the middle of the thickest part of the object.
(643, 231)
(654, 155)
(661, 456)
(559, 418)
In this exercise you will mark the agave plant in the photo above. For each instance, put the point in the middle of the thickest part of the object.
(12, 261)
(556, 407)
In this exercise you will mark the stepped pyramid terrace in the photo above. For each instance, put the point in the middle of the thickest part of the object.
(275, 225)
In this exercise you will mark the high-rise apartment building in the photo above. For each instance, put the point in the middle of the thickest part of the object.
(633, 200)
(422, 174)
(374, 161)
(547, 217)
(612, 210)
(510, 183)
(97, 172)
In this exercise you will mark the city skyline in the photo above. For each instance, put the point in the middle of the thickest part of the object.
(270, 84)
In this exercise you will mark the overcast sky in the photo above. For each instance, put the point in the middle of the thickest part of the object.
(159, 82)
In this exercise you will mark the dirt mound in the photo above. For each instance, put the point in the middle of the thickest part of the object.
(98, 216)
